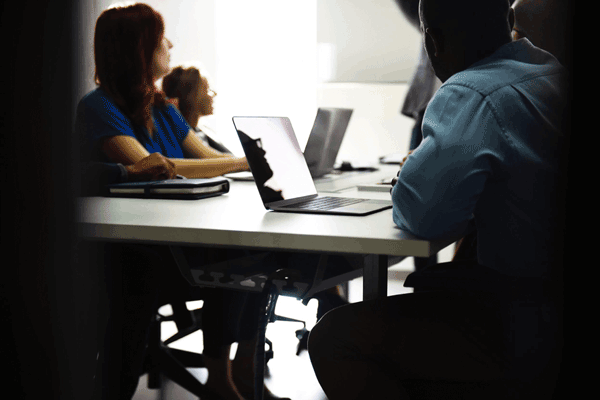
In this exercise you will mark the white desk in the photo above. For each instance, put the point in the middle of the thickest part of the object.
(239, 220)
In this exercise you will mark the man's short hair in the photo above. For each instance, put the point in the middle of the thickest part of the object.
(470, 16)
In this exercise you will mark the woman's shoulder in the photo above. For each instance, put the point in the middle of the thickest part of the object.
(95, 96)
(98, 107)
(170, 108)
(98, 101)
(176, 116)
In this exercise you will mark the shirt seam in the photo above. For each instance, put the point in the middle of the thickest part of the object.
(487, 102)
(523, 79)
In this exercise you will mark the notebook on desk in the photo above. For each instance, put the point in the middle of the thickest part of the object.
(282, 175)
(323, 142)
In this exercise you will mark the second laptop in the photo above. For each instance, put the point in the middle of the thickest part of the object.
(282, 175)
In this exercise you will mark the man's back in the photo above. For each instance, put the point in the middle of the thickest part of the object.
(493, 138)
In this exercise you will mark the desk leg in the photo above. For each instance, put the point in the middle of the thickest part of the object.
(375, 277)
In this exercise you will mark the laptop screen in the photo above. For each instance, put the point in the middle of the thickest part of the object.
(325, 139)
(277, 163)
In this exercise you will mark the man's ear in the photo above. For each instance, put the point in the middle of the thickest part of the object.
(434, 42)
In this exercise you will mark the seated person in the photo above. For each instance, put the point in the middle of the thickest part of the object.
(191, 93)
(492, 155)
(529, 16)
(122, 121)
(131, 282)
(532, 15)
(136, 291)
(126, 117)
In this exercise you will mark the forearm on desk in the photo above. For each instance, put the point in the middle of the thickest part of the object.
(195, 148)
(206, 162)
(209, 167)
(127, 150)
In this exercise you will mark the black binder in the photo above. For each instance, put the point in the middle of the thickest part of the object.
(180, 189)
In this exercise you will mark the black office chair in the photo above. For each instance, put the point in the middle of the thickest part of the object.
(328, 300)
(162, 360)
(173, 363)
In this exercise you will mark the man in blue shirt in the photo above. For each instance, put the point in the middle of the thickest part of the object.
(491, 153)
(492, 157)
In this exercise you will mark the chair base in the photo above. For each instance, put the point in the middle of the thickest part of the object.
(173, 364)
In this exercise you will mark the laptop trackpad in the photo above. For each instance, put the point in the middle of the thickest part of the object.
(365, 206)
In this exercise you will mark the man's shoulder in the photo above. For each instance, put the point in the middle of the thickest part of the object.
(512, 64)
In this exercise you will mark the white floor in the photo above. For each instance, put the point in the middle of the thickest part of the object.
(290, 375)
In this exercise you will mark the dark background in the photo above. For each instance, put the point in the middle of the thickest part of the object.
(46, 342)
(47, 302)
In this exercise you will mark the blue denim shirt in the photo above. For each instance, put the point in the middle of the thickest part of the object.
(491, 150)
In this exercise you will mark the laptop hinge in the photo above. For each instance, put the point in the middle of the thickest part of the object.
(295, 200)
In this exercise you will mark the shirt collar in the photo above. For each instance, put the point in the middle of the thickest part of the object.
(522, 50)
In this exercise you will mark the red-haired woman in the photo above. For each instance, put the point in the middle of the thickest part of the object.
(122, 121)
(126, 118)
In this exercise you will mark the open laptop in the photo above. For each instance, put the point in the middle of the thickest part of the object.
(323, 142)
(325, 139)
(282, 175)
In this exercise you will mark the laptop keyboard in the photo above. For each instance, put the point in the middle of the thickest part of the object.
(324, 203)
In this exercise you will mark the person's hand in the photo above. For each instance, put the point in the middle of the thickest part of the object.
(401, 165)
(405, 157)
(152, 168)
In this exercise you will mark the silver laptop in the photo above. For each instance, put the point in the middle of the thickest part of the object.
(325, 139)
(323, 143)
(281, 173)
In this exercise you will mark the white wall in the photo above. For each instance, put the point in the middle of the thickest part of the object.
(266, 63)
(372, 40)
(376, 127)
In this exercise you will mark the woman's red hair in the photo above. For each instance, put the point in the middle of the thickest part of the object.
(124, 44)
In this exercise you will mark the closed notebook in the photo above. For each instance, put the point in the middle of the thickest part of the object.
(185, 189)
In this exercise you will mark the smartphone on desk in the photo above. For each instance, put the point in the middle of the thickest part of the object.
(384, 185)
(386, 181)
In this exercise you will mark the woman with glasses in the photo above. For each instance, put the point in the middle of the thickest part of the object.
(190, 91)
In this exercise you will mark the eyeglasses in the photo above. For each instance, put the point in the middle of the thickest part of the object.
(211, 92)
